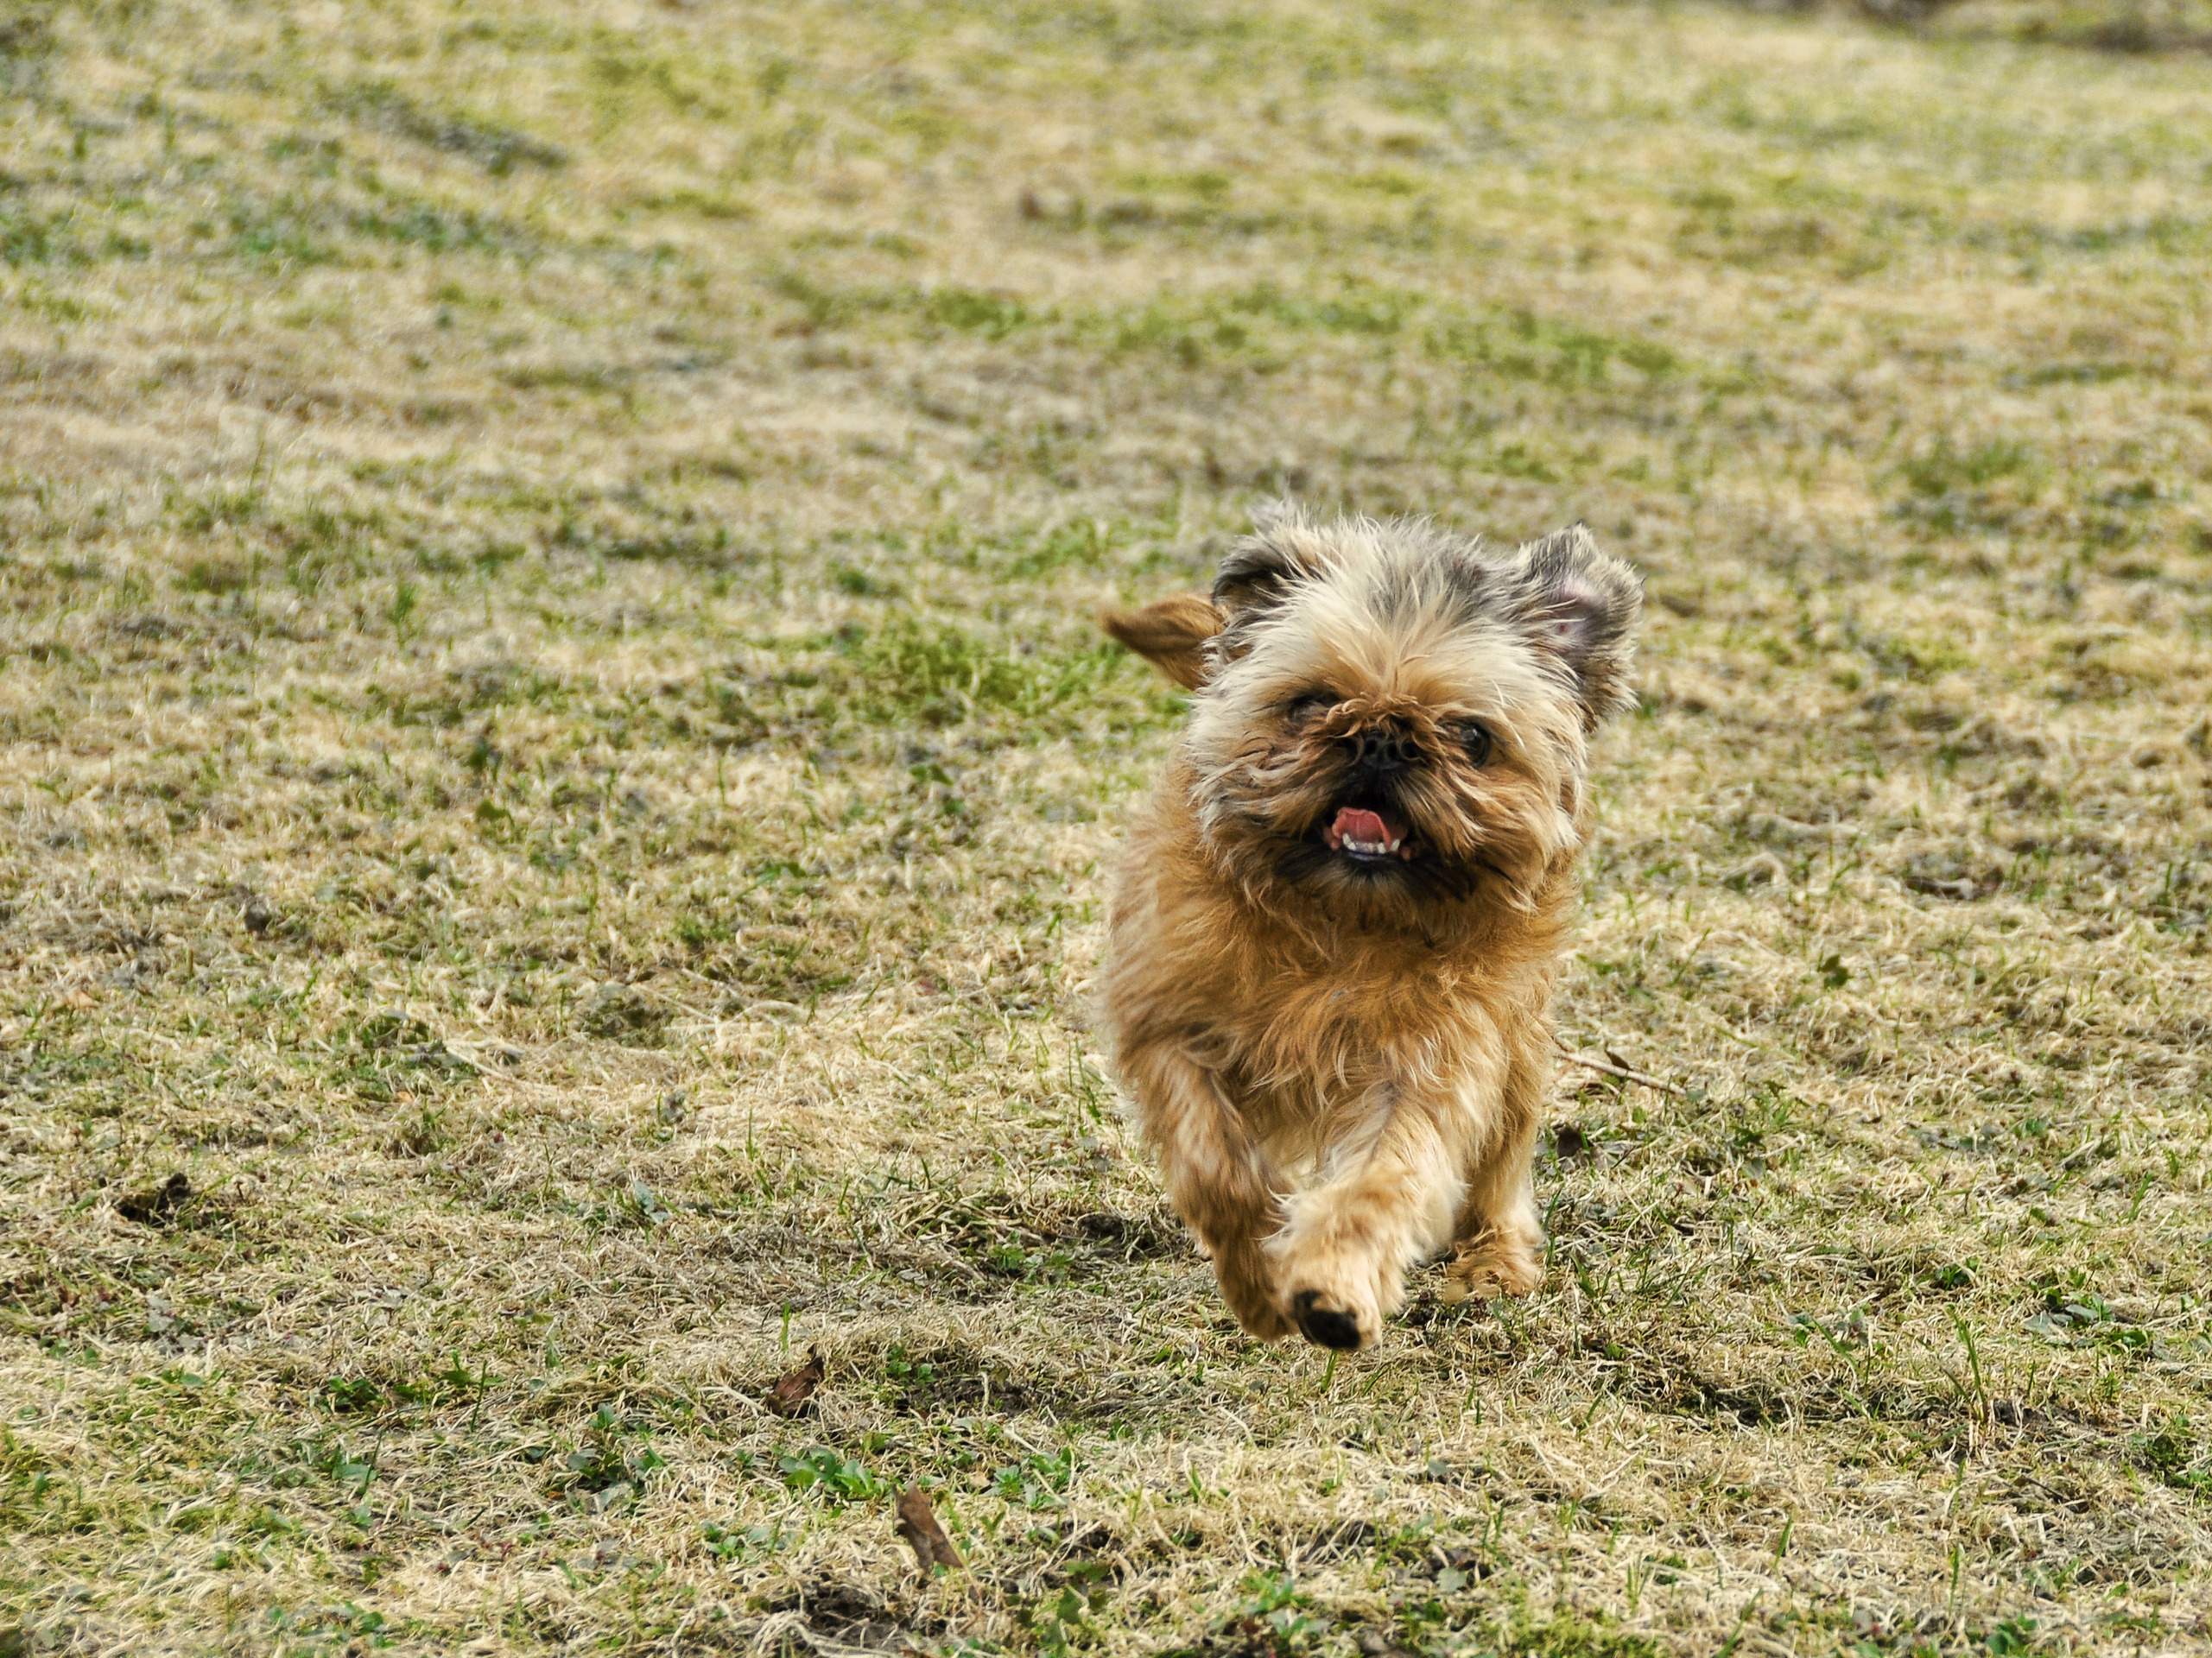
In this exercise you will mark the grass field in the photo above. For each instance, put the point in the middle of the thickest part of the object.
(556, 770)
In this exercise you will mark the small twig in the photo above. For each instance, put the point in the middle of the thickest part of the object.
(1620, 1071)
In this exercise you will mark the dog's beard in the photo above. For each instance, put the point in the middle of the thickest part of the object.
(1292, 826)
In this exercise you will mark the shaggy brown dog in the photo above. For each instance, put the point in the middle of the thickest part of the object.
(1337, 926)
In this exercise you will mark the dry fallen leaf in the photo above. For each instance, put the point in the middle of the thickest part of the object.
(917, 1524)
(795, 1390)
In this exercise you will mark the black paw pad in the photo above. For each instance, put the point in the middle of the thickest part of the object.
(1324, 1327)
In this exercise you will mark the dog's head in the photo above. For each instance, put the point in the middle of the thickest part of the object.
(1387, 718)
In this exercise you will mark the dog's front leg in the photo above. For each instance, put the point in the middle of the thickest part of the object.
(1391, 1187)
(1498, 1245)
(1217, 1179)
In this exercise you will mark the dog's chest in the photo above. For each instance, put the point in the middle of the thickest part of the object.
(1325, 1039)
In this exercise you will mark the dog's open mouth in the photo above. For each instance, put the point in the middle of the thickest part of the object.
(1369, 834)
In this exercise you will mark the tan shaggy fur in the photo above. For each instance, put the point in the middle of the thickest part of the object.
(1339, 1047)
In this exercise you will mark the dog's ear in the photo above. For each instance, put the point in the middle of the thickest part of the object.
(1171, 635)
(1282, 550)
(1578, 605)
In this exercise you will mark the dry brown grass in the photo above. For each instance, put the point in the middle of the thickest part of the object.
(555, 767)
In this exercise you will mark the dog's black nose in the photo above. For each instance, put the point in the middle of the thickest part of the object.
(1382, 748)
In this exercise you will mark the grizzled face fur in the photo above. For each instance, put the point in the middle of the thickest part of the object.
(1391, 718)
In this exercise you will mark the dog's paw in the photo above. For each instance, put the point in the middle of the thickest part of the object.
(1325, 1324)
(1262, 1321)
(1496, 1266)
(1251, 1296)
(1337, 1288)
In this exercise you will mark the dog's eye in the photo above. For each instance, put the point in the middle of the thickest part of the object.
(1307, 704)
(1476, 740)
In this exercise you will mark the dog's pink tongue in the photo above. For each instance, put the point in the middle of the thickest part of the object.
(1354, 824)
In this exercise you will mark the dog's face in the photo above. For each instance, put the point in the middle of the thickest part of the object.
(1389, 721)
